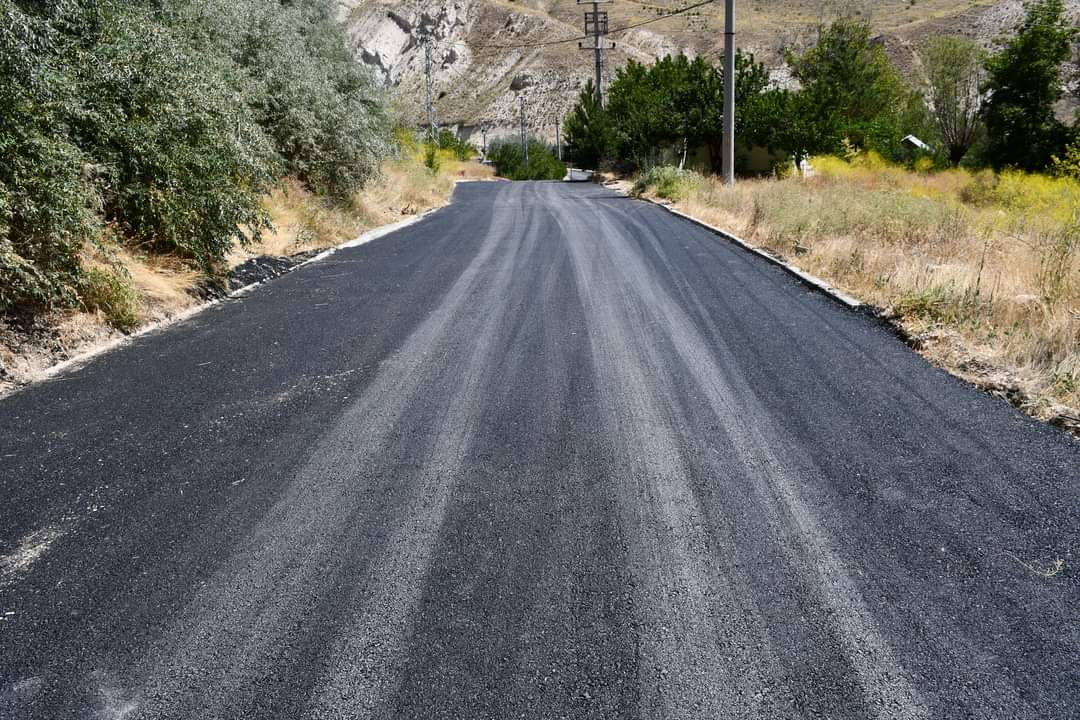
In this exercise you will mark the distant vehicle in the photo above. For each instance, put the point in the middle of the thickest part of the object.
(578, 175)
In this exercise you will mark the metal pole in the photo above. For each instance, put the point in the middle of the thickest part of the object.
(524, 135)
(729, 93)
(558, 139)
(599, 54)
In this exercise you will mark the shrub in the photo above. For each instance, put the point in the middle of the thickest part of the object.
(110, 293)
(46, 199)
(431, 157)
(510, 162)
(319, 107)
(671, 183)
(182, 165)
(460, 149)
(167, 121)
(1068, 165)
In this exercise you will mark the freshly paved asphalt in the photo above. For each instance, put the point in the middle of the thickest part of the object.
(548, 453)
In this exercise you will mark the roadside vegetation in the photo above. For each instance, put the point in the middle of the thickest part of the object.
(151, 145)
(510, 162)
(982, 269)
(160, 126)
(972, 247)
(970, 107)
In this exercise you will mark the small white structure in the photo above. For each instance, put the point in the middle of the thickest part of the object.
(915, 143)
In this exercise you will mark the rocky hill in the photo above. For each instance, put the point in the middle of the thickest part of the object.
(486, 54)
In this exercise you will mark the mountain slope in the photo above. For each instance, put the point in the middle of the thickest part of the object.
(488, 53)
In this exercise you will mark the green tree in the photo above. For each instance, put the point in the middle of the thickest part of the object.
(637, 114)
(754, 108)
(1024, 82)
(588, 129)
(181, 164)
(677, 104)
(955, 71)
(850, 90)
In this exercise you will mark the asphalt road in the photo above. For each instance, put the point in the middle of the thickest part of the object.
(548, 453)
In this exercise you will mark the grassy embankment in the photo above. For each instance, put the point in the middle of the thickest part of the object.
(981, 271)
(138, 288)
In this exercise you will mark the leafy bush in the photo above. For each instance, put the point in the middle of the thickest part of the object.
(46, 199)
(510, 162)
(167, 121)
(1068, 165)
(181, 165)
(431, 157)
(460, 149)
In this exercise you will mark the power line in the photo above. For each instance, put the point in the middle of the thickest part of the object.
(624, 28)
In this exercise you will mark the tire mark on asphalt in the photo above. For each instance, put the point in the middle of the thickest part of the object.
(888, 690)
(231, 627)
(696, 656)
(367, 662)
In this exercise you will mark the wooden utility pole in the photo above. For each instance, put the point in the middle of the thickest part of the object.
(729, 93)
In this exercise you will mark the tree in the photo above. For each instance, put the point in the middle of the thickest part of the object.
(677, 104)
(1024, 82)
(955, 70)
(588, 129)
(638, 122)
(163, 122)
(850, 89)
(753, 108)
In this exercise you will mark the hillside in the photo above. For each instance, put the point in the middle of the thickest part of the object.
(487, 53)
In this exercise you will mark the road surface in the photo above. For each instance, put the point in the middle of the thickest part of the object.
(548, 453)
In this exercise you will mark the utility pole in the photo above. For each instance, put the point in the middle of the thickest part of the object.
(729, 92)
(429, 86)
(524, 135)
(558, 139)
(596, 25)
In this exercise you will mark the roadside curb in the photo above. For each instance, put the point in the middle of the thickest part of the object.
(806, 278)
(84, 357)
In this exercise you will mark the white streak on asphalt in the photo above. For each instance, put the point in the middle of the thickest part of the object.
(230, 630)
(370, 653)
(31, 548)
(697, 661)
(888, 690)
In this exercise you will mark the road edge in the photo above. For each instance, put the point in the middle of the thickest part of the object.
(813, 281)
(77, 361)
(1015, 397)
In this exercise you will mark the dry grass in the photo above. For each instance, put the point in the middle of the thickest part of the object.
(983, 271)
(405, 187)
